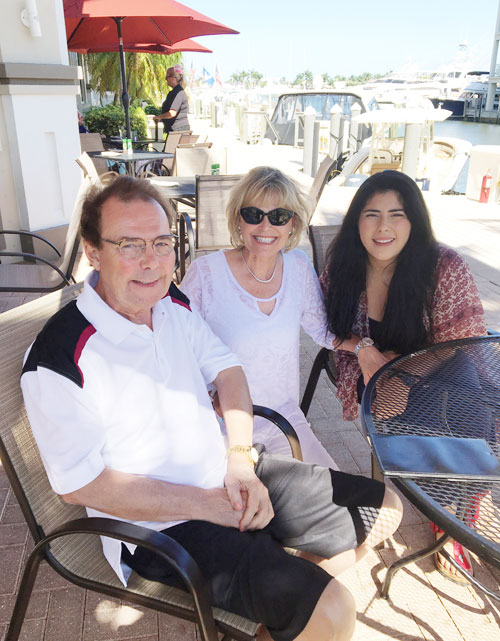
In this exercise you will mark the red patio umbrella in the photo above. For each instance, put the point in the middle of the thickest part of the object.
(91, 24)
(182, 45)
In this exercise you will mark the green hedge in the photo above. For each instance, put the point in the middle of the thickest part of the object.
(110, 119)
(151, 110)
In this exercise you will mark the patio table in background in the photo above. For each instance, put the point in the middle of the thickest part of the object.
(130, 157)
(179, 188)
(450, 391)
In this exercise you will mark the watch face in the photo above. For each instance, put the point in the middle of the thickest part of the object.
(254, 455)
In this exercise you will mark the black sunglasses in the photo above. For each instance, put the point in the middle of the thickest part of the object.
(277, 217)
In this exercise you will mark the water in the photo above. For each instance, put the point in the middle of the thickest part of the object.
(477, 133)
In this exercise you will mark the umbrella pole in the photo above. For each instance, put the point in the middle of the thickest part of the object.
(125, 96)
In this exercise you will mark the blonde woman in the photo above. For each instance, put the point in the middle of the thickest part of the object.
(257, 296)
(174, 110)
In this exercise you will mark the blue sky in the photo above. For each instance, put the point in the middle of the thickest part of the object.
(284, 37)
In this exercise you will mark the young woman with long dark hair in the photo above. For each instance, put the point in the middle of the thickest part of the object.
(391, 289)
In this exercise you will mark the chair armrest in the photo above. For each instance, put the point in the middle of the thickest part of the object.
(33, 235)
(147, 173)
(108, 175)
(284, 425)
(35, 257)
(163, 545)
(186, 231)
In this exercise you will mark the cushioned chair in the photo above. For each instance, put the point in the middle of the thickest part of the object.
(320, 236)
(64, 536)
(42, 275)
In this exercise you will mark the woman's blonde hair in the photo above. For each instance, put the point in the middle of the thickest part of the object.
(178, 72)
(267, 182)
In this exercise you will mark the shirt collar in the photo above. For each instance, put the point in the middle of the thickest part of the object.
(113, 326)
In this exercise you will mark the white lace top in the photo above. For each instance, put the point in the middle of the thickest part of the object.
(267, 345)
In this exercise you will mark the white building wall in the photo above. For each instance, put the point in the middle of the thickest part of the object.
(39, 138)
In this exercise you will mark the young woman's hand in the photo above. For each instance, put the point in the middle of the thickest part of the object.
(370, 360)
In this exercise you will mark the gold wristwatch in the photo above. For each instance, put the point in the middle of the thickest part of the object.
(249, 450)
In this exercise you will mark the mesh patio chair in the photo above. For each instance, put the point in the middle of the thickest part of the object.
(93, 142)
(64, 536)
(43, 275)
(162, 167)
(188, 138)
(86, 164)
(192, 159)
(210, 232)
(323, 175)
(321, 237)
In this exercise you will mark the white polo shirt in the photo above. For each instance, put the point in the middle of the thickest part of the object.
(101, 391)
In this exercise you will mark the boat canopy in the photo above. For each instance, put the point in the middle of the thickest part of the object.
(292, 103)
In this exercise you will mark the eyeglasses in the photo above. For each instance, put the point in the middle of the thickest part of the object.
(135, 247)
(277, 217)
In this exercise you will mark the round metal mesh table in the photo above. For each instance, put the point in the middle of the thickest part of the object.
(449, 390)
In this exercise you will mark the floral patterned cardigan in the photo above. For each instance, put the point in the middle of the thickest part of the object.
(456, 312)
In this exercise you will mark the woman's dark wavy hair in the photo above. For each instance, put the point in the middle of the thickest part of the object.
(412, 284)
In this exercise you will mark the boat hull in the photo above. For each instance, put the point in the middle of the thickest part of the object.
(455, 105)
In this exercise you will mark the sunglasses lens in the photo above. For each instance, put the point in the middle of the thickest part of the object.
(277, 217)
(252, 215)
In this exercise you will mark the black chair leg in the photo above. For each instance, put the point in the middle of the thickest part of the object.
(318, 365)
(23, 596)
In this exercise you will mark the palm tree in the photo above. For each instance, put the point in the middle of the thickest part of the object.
(145, 74)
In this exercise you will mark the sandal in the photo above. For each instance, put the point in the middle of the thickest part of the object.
(460, 555)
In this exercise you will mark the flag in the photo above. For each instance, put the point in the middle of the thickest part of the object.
(208, 78)
(217, 76)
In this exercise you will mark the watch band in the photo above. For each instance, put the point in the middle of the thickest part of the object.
(249, 450)
(364, 342)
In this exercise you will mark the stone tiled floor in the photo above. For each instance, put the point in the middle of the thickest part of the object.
(423, 605)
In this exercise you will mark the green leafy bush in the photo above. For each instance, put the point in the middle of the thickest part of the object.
(152, 110)
(138, 121)
(110, 119)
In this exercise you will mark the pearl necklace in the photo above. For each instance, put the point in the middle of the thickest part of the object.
(260, 280)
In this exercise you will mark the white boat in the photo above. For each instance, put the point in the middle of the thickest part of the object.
(285, 127)
(471, 101)
(434, 162)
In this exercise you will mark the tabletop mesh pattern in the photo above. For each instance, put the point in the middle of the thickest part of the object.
(452, 389)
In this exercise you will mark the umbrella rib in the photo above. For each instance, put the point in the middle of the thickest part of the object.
(161, 31)
(75, 30)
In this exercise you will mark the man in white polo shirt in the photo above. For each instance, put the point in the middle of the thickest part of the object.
(115, 387)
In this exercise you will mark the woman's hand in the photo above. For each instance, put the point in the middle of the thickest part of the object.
(371, 360)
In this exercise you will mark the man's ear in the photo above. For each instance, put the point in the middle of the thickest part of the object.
(92, 253)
